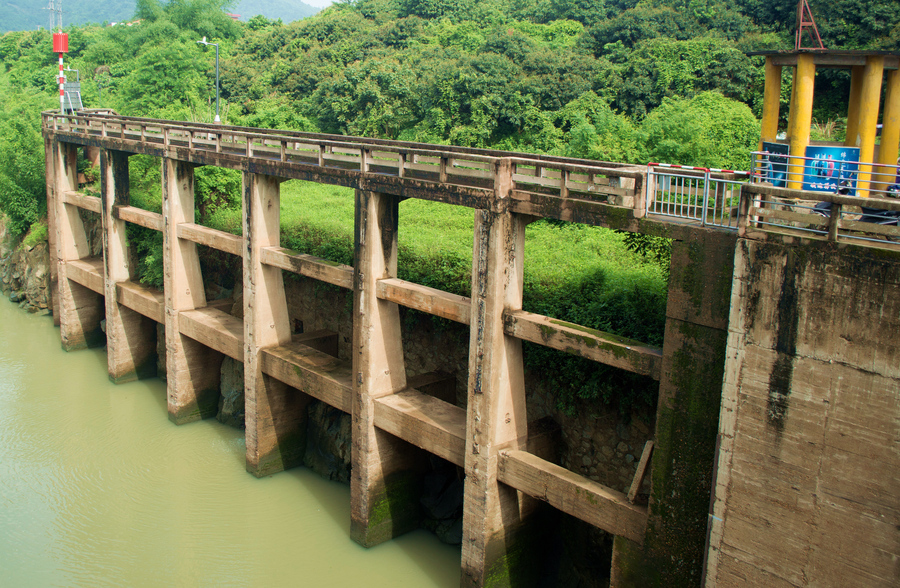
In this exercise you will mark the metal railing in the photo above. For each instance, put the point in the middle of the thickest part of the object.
(824, 174)
(708, 196)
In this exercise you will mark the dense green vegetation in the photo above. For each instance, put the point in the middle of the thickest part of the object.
(24, 15)
(620, 80)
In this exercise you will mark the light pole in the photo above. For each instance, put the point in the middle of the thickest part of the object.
(216, 45)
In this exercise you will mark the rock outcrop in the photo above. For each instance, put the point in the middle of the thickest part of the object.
(24, 272)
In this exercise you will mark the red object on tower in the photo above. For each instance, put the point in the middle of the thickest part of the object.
(60, 42)
(806, 21)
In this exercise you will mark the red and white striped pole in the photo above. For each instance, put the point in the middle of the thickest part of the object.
(61, 45)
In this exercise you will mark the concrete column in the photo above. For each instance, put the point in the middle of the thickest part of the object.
(496, 543)
(383, 484)
(50, 147)
(130, 336)
(80, 309)
(790, 124)
(890, 129)
(192, 369)
(687, 416)
(801, 116)
(771, 102)
(870, 100)
(856, 84)
(275, 412)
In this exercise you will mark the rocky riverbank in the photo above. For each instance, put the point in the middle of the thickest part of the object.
(24, 271)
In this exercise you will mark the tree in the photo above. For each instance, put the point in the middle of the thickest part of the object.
(709, 130)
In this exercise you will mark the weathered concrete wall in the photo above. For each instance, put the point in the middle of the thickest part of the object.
(689, 395)
(809, 467)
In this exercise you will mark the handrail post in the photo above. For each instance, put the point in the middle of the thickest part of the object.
(707, 178)
(834, 221)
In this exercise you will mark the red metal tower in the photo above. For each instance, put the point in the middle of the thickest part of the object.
(805, 20)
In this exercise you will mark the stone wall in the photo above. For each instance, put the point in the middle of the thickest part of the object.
(809, 466)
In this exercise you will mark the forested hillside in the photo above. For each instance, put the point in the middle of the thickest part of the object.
(620, 80)
(24, 15)
(585, 78)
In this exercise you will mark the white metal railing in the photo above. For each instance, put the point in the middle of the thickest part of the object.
(708, 196)
(824, 174)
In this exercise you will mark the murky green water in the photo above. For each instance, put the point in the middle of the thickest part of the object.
(98, 488)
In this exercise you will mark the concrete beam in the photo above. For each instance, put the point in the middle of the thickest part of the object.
(573, 494)
(216, 239)
(598, 346)
(139, 216)
(431, 300)
(310, 266)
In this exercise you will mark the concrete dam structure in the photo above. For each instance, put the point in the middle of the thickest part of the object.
(776, 452)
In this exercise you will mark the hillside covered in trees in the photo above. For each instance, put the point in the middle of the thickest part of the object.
(620, 80)
(23, 15)
(603, 79)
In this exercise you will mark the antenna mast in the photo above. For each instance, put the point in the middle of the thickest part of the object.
(805, 20)
(60, 45)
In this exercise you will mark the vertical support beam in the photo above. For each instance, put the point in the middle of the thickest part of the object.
(690, 392)
(791, 110)
(192, 369)
(856, 84)
(890, 129)
(383, 484)
(130, 336)
(50, 147)
(495, 540)
(771, 102)
(275, 412)
(870, 100)
(801, 116)
(80, 309)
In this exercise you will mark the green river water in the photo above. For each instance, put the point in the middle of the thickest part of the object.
(98, 488)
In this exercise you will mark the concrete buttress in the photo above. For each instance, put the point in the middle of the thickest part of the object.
(130, 336)
(275, 412)
(80, 309)
(192, 369)
(494, 541)
(383, 481)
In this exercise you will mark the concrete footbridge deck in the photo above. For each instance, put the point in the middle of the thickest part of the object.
(394, 416)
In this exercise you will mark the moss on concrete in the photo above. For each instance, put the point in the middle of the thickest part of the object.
(394, 509)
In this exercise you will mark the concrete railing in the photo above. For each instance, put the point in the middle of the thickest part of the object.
(538, 182)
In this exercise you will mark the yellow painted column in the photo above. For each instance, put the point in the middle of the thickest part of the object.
(791, 103)
(890, 129)
(856, 84)
(870, 97)
(771, 102)
(801, 116)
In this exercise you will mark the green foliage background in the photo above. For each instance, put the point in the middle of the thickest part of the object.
(619, 80)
